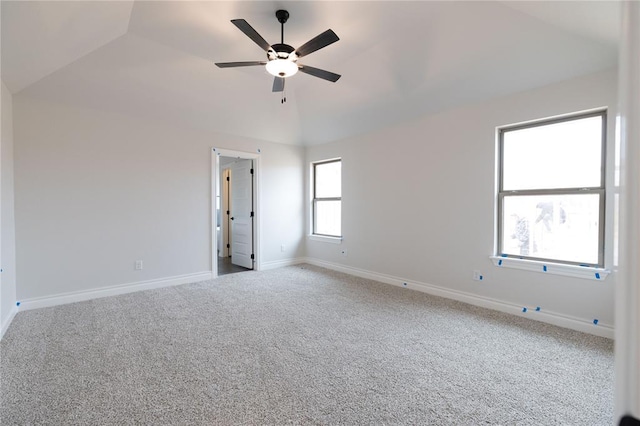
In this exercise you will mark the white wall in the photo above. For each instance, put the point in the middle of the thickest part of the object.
(418, 201)
(8, 247)
(95, 191)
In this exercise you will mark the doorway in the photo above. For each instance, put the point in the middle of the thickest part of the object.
(235, 208)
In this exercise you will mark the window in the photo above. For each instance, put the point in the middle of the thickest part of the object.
(327, 198)
(552, 190)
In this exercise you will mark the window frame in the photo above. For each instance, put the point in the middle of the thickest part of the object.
(598, 190)
(315, 199)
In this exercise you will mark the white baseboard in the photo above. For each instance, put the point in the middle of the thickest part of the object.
(7, 322)
(603, 330)
(265, 266)
(573, 323)
(80, 296)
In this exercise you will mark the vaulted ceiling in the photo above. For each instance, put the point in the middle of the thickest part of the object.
(398, 60)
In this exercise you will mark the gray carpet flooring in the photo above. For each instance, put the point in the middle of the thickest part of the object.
(297, 345)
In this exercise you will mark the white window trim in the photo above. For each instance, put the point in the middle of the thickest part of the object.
(335, 239)
(325, 238)
(585, 272)
(568, 268)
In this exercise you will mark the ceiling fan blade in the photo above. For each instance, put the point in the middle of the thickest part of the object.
(239, 64)
(251, 33)
(317, 43)
(317, 72)
(278, 84)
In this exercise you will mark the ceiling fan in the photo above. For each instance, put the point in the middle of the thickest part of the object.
(282, 59)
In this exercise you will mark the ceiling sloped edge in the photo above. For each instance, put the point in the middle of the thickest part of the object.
(39, 38)
(598, 21)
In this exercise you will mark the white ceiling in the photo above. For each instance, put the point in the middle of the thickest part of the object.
(398, 60)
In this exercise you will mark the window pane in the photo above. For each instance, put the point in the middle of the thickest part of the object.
(327, 218)
(328, 180)
(561, 155)
(556, 227)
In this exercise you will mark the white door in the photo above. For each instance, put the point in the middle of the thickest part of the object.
(241, 186)
(225, 228)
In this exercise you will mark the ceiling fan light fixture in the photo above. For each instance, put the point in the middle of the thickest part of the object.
(281, 68)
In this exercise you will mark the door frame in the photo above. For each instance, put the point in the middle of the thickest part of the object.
(216, 153)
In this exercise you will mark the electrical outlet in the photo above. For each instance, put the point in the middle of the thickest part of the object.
(344, 252)
(477, 276)
(139, 265)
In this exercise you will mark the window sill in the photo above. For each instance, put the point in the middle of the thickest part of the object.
(585, 272)
(325, 239)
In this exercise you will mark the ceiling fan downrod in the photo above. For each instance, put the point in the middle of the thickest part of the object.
(282, 16)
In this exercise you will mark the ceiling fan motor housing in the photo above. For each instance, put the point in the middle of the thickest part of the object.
(281, 51)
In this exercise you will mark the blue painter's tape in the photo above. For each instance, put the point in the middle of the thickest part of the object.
(544, 268)
(537, 308)
(500, 262)
(503, 255)
(404, 284)
(17, 303)
(481, 277)
(595, 322)
(584, 266)
(524, 309)
(598, 275)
